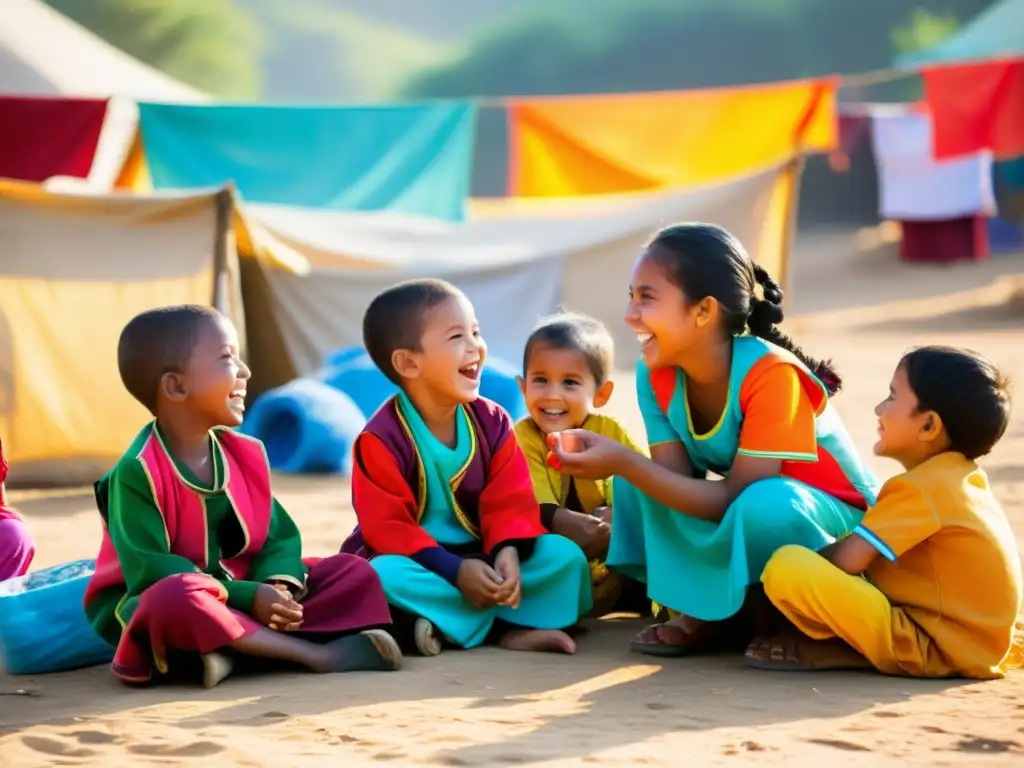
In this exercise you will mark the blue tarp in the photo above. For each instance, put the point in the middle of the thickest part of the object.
(414, 158)
(998, 31)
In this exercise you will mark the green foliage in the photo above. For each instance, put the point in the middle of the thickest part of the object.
(588, 46)
(924, 29)
(212, 45)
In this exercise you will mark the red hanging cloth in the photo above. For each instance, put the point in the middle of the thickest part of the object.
(44, 137)
(977, 107)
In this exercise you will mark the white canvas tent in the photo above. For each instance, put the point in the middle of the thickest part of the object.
(43, 53)
(516, 260)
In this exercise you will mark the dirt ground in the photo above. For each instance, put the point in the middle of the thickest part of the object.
(604, 706)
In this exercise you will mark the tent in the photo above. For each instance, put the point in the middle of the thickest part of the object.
(76, 265)
(997, 31)
(516, 259)
(43, 53)
(73, 270)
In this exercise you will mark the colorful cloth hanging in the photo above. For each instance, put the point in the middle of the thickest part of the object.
(414, 159)
(580, 145)
(43, 137)
(976, 107)
(912, 185)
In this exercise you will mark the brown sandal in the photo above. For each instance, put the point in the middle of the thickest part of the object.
(791, 652)
(673, 640)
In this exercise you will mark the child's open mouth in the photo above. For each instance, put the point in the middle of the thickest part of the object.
(645, 338)
(554, 412)
(237, 399)
(471, 372)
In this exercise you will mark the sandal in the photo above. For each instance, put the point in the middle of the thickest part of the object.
(672, 640)
(791, 652)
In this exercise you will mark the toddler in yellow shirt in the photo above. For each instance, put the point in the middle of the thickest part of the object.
(567, 367)
(929, 584)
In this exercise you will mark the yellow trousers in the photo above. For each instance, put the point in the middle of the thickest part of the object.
(825, 602)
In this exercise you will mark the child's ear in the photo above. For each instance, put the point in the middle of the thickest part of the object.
(172, 385)
(405, 364)
(932, 427)
(522, 385)
(603, 394)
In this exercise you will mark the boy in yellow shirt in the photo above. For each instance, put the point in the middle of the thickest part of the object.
(943, 574)
(567, 366)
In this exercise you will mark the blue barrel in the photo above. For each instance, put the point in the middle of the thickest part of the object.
(307, 426)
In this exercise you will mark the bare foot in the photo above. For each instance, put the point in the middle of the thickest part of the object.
(551, 640)
(372, 650)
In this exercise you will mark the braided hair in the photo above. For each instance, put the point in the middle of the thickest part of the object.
(705, 260)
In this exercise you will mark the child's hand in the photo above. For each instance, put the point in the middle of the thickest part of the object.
(589, 533)
(479, 583)
(507, 566)
(276, 608)
(604, 513)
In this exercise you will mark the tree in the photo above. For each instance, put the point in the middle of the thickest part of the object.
(588, 46)
(212, 45)
(924, 29)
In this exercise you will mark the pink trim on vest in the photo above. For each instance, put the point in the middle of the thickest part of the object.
(247, 484)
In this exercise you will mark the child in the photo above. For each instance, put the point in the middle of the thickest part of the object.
(197, 555)
(442, 492)
(17, 547)
(566, 376)
(721, 391)
(943, 570)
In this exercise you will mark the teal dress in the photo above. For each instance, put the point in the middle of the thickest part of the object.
(703, 569)
(555, 578)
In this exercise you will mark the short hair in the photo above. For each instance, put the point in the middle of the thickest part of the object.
(156, 342)
(576, 332)
(395, 319)
(970, 395)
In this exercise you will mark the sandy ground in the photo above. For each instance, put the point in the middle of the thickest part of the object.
(604, 706)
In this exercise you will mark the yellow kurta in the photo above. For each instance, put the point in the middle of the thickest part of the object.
(552, 487)
(942, 600)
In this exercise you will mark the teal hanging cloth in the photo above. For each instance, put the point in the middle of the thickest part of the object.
(410, 158)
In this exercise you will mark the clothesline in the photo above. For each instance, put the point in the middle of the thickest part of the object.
(859, 80)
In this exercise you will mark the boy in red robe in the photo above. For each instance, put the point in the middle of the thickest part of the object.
(446, 508)
(197, 554)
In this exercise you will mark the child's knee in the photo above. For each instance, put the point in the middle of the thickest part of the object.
(560, 549)
(178, 590)
(787, 566)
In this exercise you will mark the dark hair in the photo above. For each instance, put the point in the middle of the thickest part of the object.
(970, 395)
(576, 332)
(705, 260)
(156, 342)
(394, 319)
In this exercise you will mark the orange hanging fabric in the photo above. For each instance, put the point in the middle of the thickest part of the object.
(582, 145)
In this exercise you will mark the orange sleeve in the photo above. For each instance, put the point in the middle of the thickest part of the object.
(778, 415)
(384, 504)
(901, 518)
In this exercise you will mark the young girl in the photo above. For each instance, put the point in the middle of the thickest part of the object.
(16, 545)
(943, 570)
(197, 554)
(721, 390)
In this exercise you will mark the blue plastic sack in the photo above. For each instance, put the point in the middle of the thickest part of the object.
(306, 426)
(42, 622)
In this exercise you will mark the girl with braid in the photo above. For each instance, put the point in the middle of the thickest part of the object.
(722, 390)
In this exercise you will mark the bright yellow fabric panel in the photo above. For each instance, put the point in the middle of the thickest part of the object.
(587, 145)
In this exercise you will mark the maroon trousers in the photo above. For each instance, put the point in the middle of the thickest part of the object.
(188, 612)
